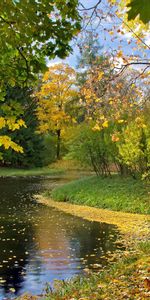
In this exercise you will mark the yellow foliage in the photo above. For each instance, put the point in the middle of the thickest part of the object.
(105, 124)
(120, 53)
(120, 121)
(2, 122)
(7, 143)
(96, 127)
(12, 125)
(56, 92)
(100, 75)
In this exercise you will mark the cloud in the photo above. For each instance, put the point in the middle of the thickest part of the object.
(147, 39)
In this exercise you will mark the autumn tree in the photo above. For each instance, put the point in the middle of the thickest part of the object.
(57, 90)
(27, 137)
(29, 32)
(109, 103)
(121, 24)
(113, 88)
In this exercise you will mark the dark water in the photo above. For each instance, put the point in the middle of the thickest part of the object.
(39, 244)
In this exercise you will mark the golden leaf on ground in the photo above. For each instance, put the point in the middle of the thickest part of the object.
(147, 283)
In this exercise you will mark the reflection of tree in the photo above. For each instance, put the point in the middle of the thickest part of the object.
(92, 238)
(54, 240)
(65, 236)
(16, 234)
(15, 243)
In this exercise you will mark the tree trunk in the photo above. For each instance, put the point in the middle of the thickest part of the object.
(58, 144)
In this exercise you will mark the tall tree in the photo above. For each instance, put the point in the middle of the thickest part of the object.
(56, 92)
(29, 32)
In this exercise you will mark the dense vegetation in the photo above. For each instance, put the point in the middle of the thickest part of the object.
(115, 193)
(98, 114)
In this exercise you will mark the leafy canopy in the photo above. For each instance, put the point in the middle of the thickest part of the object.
(57, 90)
(32, 30)
(29, 32)
(141, 8)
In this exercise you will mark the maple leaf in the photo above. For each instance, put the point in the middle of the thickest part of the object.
(141, 8)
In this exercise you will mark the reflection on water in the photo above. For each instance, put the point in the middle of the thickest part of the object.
(39, 244)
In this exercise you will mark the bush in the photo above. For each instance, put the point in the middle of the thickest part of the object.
(93, 148)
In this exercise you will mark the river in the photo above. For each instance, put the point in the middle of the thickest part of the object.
(39, 244)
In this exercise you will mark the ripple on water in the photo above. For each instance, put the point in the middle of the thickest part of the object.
(39, 244)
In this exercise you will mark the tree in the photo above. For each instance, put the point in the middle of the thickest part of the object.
(29, 32)
(89, 49)
(134, 143)
(89, 55)
(32, 30)
(56, 92)
(139, 8)
(26, 137)
(10, 121)
(109, 103)
(116, 19)
(92, 148)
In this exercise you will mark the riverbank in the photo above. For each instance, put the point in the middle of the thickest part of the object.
(132, 226)
(115, 193)
(59, 168)
(126, 278)
(45, 171)
(129, 276)
(128, 273)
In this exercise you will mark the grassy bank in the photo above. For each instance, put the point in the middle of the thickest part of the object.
(126, 279)
(116, 193)
(61, 167)
(45, 171)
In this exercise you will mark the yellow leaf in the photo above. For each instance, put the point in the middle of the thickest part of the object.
(119, 54)
(120, 121)
(96, 127)
(100, 75)
(105, 124)
(2, 122)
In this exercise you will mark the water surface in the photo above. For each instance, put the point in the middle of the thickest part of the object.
(39, 244)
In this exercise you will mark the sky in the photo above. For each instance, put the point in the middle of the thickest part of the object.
(109, 42)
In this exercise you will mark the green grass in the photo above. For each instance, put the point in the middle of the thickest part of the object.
(124, 279)
(45, 171)
(115, 193)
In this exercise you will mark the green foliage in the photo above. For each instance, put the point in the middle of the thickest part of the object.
(19, 101)
(49, 152)
(32, 30)
(120, 194)
(89, 50)
(141, 8)
(89, 56)
(93, 148)
(134, 146)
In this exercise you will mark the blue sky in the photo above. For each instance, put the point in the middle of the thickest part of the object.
(109, 43)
